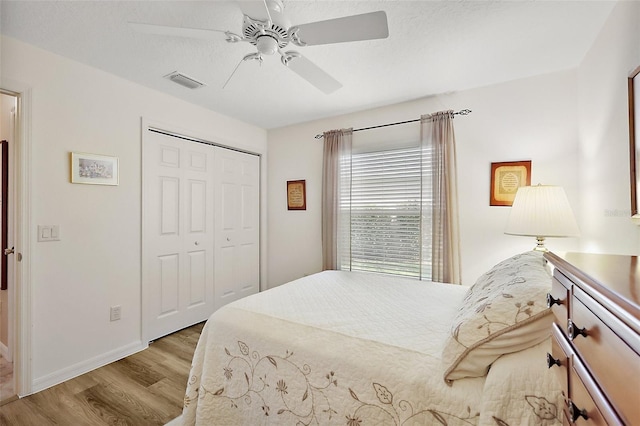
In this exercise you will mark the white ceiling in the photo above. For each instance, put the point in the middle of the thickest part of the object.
(433, 47)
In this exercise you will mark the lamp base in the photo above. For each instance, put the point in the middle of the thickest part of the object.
(540, 245)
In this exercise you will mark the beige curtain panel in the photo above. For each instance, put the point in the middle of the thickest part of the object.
(337, 156)
(440, 218)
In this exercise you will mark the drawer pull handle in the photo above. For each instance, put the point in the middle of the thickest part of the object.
(575, 413)
(575, 331)
(552, 301)
(551, 361)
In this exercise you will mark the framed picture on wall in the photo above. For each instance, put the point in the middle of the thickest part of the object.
(94, 169)
(506, 178)
(296, 195)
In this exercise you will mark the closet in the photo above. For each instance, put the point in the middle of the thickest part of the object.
(200, 244)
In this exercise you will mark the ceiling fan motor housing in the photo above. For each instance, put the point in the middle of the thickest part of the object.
(254, 31)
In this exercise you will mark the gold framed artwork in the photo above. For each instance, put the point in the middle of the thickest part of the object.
(296, 195)
(94, 169)
(506, 178)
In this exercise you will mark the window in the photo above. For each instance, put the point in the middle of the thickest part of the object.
(384, 206)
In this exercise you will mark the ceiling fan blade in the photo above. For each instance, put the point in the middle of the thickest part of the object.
(368, 26)
(177, 31)
(265, 11)
(255, 9)
(311, 72)
(266, 8)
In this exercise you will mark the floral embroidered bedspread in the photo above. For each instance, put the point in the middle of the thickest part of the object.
(268, 368)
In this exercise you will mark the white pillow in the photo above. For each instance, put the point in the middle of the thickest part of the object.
(505, 311)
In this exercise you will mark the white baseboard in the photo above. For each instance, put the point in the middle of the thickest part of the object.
(4, 351)
(57, 377)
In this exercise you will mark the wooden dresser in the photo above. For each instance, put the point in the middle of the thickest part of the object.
(596, 336)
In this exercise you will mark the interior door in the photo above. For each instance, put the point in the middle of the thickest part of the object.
(237, 237)
(4, 211)
(178, 228)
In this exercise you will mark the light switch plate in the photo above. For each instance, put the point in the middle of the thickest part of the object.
(48, 233)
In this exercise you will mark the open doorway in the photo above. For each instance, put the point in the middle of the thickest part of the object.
(8, 113)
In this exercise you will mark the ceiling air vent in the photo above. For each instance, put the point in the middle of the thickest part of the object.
(184, 80)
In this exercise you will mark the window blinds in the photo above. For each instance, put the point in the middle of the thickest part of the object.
(385, 200)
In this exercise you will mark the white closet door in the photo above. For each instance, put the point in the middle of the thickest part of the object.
(178, 246)
(237, 236)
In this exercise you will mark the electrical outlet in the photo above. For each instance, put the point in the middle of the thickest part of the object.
(116, 312)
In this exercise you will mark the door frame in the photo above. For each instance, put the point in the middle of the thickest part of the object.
(20, 324)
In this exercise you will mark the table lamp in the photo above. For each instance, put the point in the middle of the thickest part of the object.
(541, 211)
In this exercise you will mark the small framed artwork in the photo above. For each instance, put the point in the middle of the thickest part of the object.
(94, 169)
(296, 195)
(506, 178)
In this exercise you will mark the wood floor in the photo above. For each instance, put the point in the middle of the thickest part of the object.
(146, 388)
(6, 380)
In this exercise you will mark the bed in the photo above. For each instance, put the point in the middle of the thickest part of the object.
(352, 348)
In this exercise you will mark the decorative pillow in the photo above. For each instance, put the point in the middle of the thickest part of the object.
(504, 311)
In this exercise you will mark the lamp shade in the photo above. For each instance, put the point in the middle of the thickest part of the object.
(542, 211)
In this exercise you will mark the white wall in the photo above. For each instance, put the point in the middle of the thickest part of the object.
(529, 119)
(604, 134)
(97, 262)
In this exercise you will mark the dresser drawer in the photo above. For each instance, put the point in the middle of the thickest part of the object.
(582, 408)
(558, 298)
(559, 362)
(613, 364)
(588, 404)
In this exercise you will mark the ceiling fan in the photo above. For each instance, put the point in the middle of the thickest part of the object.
(271, 33)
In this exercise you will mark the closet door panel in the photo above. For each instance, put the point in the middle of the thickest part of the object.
(169, 283)
(178, 233)
(197, 278)
(237, 261)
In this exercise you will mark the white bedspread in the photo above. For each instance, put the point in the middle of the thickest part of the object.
(351, 349)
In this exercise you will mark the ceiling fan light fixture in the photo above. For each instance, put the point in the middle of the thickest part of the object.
(267, 45)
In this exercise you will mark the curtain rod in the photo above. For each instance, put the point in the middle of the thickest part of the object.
(461, 112)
